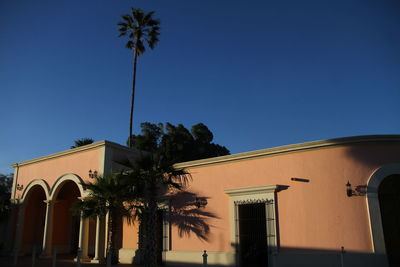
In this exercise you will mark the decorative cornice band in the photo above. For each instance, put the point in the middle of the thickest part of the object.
(289, 149)
(72, 151)
(251, 190)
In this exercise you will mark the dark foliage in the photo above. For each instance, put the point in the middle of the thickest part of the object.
(5, 193)
(82, 142)
(176, 143)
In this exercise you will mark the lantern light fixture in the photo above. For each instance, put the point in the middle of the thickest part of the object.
(20, 187)
(92, 174)
(349, 189)
(359, 190)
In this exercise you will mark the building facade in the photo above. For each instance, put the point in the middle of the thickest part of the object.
(322, 203)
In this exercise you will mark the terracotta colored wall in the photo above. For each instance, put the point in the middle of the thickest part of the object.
(50, 170)
(130, 235)
(314, 215)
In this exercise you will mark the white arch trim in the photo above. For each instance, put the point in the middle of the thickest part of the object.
(33, 183)
(373, 204)
(63, 179)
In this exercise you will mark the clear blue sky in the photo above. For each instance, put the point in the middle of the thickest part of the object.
(259, 73)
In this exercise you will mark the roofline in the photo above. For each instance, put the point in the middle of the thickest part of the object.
(289, 149)
(71, 151)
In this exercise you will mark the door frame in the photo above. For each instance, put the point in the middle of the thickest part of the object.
(257, 194)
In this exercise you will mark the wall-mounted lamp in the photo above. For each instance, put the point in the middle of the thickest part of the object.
(20, 187)
(360, 190)
(92, 174)
(349, 190)
(200, 202)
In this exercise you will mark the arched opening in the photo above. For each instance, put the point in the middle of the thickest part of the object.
(389, 202)
(34, 219)
(65, 222)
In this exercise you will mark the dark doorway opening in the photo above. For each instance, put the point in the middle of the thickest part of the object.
(253, 247)
(75, 223)
(65, 223)
(34, 220)
(389, 201)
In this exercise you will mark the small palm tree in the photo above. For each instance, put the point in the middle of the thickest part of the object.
(82, 142)
(107, 196)
(141, 29)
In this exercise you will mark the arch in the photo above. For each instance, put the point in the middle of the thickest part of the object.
(36, 182)
(34, 212)
(62, 180)
(373, 204)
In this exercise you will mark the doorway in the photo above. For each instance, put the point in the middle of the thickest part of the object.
(252, 236)
(389, 202)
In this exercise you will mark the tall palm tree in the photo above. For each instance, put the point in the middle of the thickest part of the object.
(107, 196)
(141, 29)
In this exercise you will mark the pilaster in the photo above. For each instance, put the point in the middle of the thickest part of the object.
(100, 238)
(48, 229)
(84, 237)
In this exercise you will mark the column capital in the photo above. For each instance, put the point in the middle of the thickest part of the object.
(17, 201)
(49, 201)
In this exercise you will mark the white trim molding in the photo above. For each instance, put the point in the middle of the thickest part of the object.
(36, 182)
(257, 194)
(73, 151)
(321, 144)
(63, 179)
(374, 210)
(15, 181)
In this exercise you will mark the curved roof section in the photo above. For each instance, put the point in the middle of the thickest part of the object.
(290, 149)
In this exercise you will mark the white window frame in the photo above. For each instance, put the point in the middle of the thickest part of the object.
(257, 194)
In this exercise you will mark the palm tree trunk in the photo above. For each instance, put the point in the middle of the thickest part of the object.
(142, 236)
(151, 260)
(110, 241)
(132, 99)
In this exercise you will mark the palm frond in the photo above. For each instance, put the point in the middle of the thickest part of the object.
(140, 47)
(128, 19)
(141, 28)
(130, 45)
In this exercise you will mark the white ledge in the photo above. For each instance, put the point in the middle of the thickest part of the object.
(251, 190)
(290, 149)
(72, 151)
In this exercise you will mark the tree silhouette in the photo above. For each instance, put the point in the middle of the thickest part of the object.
(82, 142)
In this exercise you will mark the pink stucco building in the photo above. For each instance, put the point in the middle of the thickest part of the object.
(294, 205)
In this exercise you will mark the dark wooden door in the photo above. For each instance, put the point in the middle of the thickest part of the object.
(253, 248)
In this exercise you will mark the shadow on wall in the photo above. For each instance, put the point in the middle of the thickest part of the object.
(188, 216)
(374, 153)
(298, 257)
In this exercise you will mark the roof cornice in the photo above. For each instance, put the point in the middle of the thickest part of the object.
(70, 152)
(289, 149)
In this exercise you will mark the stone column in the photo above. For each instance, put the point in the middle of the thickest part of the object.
(48, 229)
(106, 234)
(19, 228)
(99, 248)
(84, 237)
